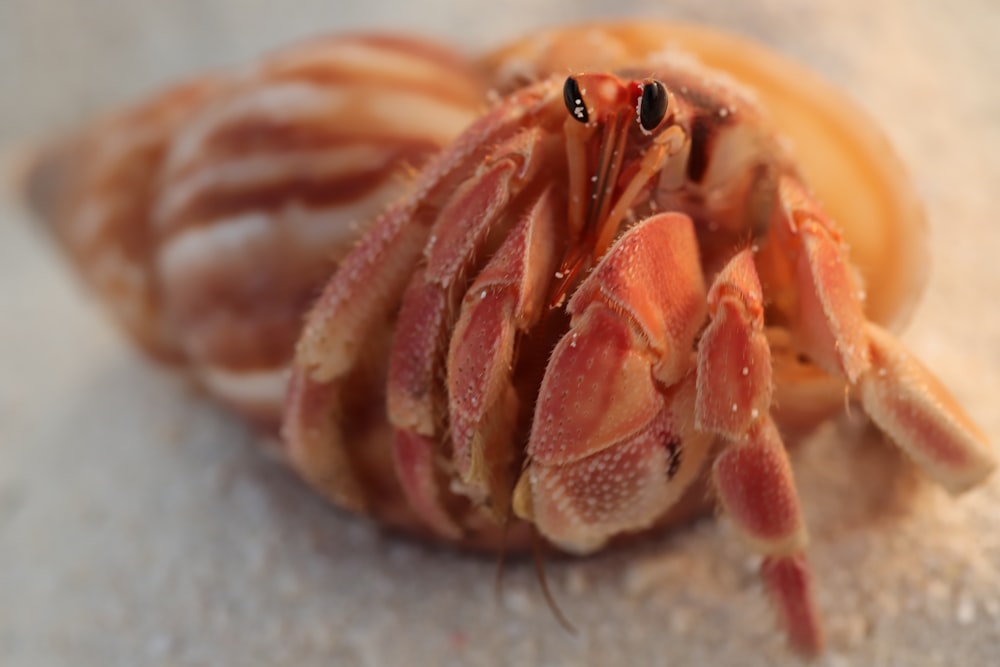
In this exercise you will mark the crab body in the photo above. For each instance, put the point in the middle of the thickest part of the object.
(607, 293)
(640, 256)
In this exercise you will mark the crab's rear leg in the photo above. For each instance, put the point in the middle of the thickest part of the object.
(904, 399)
(752, 475)
(612, 443)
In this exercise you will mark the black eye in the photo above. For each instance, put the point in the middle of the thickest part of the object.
(653, 105)
(574, 100)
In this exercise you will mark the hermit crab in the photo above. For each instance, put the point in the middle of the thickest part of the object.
(582, 287)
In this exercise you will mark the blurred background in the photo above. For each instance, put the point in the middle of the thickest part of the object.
(140, 525)
(61, 60)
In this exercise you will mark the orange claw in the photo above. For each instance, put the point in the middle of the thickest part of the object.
(617, 401)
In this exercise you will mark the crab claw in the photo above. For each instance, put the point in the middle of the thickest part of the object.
(613, 442)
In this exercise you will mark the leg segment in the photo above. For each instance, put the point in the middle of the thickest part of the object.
(788, 580)
(909, 404)
(756, 488)
(734, 368)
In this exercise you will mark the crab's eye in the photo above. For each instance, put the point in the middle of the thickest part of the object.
(653, 105)
(574, 100)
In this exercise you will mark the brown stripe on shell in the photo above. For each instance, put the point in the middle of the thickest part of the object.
(238, 303)
(313, 191)
(355, 86)
(254, 135)
(287, 171)
(320, 128)
(127, 195)
(292, 117)
(300, 125)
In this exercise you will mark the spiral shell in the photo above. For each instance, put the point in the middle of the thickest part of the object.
(208, 217)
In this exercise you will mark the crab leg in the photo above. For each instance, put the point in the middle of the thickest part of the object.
(459, 237)
(613, 442)
(734, 356)
(902, 397)
(416, 397)
(342, 328)
(382, 263)
(752, 474)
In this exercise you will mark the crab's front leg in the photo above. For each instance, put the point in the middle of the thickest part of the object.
(904, 399)
(418, 405)
(752, 474)
(613, 444)
(344, 333)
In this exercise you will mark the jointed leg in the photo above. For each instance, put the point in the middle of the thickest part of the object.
(752, 474)
(418, 403)
(345, 325)
(901, 396)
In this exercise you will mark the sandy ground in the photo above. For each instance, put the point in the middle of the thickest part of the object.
(139, 525)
